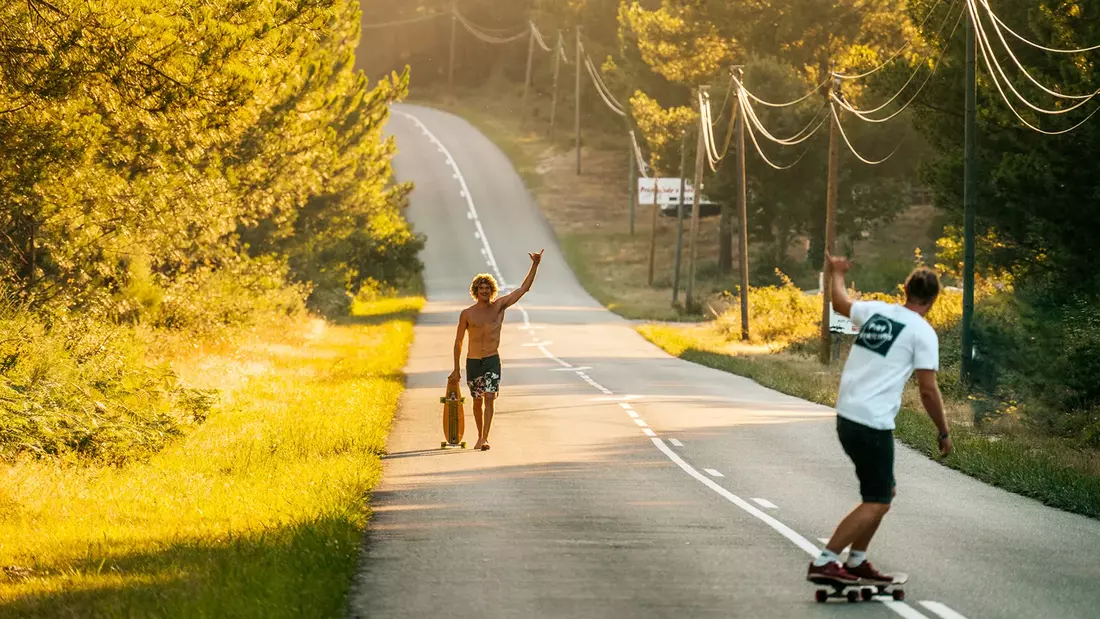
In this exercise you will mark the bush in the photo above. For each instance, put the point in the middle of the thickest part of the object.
(76, 388)
(779, 315)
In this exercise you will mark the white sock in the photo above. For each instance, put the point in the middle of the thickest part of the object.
(826, 557)
(856, 558)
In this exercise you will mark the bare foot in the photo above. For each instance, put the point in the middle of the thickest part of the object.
(485, 447)
(480, 444)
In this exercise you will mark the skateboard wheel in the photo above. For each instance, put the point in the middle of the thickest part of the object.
(866, 594)
(898, 594)
(821, 596)
(463, 443)
(853, 596)
(443, 445)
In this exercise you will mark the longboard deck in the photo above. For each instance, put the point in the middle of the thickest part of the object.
(454, 417)
(853, 592)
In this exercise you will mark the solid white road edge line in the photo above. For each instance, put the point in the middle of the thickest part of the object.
(713, 473)
(766, 504)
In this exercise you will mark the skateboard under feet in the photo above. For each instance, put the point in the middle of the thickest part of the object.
(856, 592)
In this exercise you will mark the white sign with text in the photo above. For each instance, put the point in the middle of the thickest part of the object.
(668, 191)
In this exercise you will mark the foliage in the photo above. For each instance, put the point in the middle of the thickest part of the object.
(81, 389)
(159, 131)
(779, 315)
(661, 128)
(257, 512)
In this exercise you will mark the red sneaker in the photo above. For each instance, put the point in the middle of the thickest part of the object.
(830, 573)
(868, 575)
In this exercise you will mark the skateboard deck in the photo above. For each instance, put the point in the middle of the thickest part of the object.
(454, 418)
(860, 591)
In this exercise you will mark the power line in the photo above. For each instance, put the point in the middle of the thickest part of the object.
(815, 91)
(539, 39)
(486, 37)
(1033, 44)
(402, 22)
(798, 138)
(995, 68)
(907, 45)
(864, 114)
(840, 126)
(759, 151)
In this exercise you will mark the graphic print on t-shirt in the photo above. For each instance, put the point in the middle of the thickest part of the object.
(879, 334)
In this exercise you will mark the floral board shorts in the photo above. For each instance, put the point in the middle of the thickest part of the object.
(483, 375)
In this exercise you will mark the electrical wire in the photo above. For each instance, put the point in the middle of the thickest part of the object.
(894, 56)
(607, 98)
(864, 114)
(1019, 65)
(639, 160)
(989, 65)
(994, 65)
(539, 39)
(797, 138)
(840, 126)
(1053, 50)
(402, 22)
(485, 37)
(760, 151)
(815, 91)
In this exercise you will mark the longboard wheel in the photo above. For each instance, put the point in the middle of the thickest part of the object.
(853, 596)
(463, 443)
(866, 594)
(821, 596)
(898, 594)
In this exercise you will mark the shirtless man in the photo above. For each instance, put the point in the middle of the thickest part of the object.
(483, 321)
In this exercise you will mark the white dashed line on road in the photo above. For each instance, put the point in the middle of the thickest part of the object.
(649, 432)
(941, 609)
(713, 473)
(632, 414)
(641, 423)
(676, 443)
(626, 406)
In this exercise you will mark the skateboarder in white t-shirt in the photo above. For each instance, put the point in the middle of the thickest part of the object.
(894, 341)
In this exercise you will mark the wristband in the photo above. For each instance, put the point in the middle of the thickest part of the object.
(944, 435)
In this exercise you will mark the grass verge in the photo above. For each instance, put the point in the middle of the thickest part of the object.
(256, 513)
(1049, 470)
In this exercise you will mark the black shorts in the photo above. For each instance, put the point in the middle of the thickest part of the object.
(872, 451)
(483, 376)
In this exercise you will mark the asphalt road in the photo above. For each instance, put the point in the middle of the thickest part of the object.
(623, 482)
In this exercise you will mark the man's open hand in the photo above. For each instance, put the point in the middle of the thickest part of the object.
(536, 258)
(838, 265)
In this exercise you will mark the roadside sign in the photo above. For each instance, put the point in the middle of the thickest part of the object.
(668, 190)
(839, 323)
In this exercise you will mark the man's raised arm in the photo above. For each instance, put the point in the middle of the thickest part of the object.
(841, 303)
(513, 297)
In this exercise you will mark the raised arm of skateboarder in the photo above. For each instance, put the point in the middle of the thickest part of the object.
(513, 297)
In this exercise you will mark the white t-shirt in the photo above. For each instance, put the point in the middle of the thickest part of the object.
(893, 342)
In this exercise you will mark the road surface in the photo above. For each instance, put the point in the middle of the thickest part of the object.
(623, 482)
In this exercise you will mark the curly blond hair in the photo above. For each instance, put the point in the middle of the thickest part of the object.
(483, 278)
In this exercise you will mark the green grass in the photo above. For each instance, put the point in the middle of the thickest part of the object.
(1046, 469)
(256, 513)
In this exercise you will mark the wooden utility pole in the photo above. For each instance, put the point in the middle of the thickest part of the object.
(527, 79)
(558, 52)
(680, 220)
(451, 62)
(743, 204)
(700, 146)
(577, 103)
(653, 227)
(830, 231)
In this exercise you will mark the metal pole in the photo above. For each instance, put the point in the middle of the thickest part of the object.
(633, 185)
(680, 220)
(527, 79)
(577, 103)
(743, 202)
(653, 228)
(451, 62)
(557, 73)
(689, 301)
(830, 235)
(970, 198)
